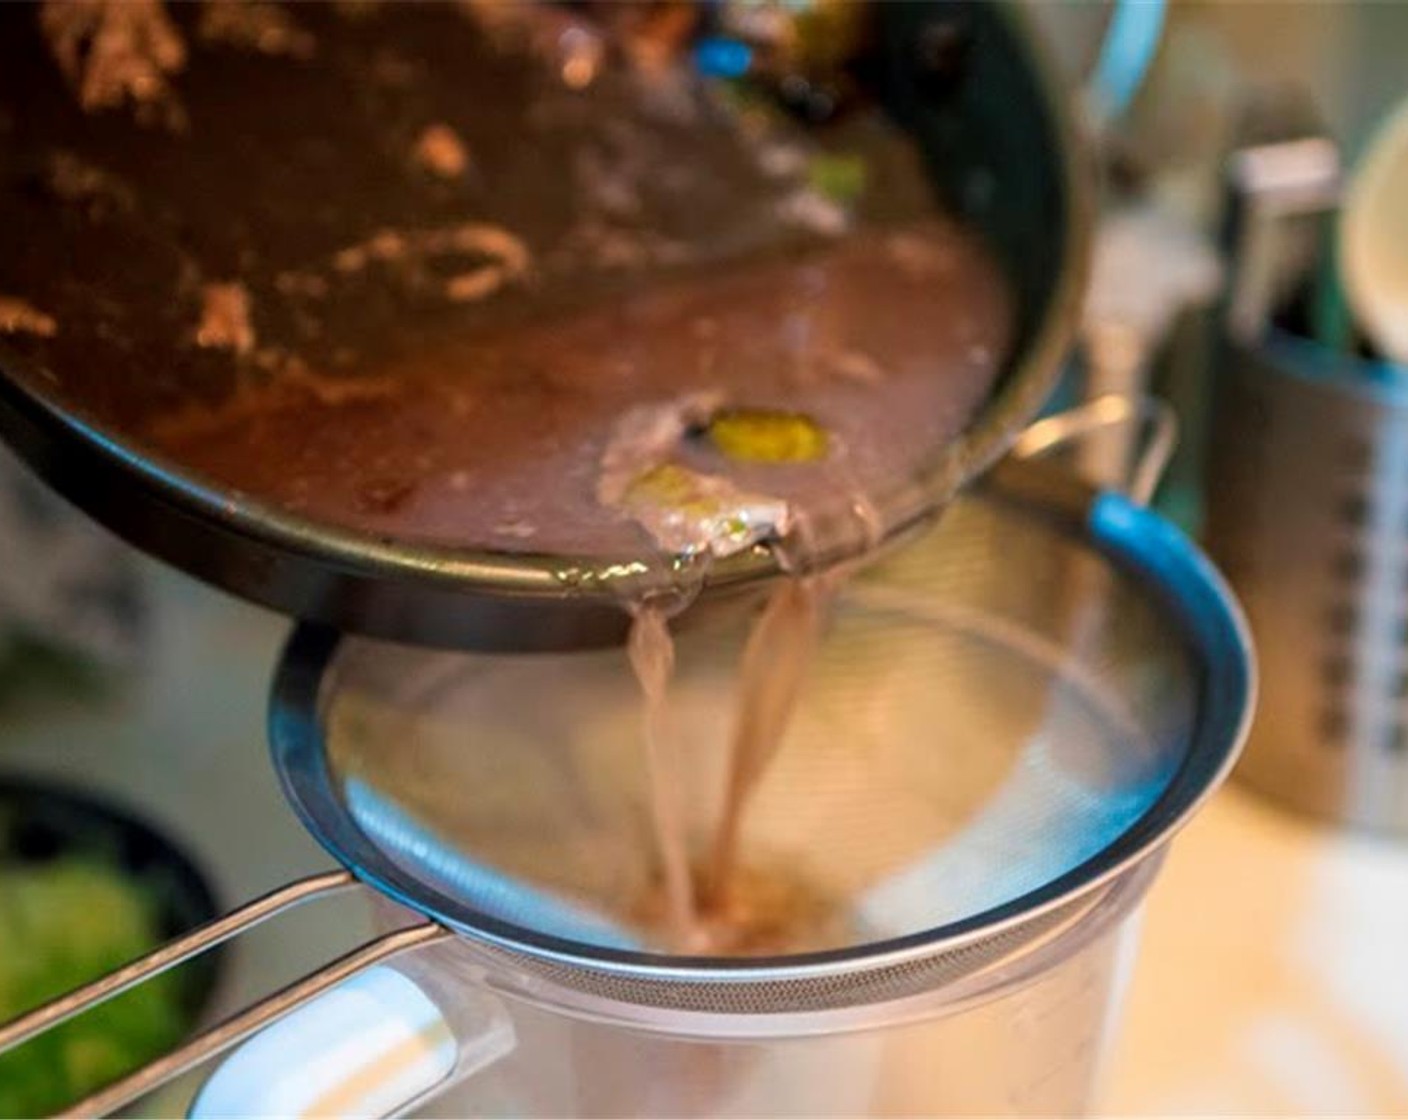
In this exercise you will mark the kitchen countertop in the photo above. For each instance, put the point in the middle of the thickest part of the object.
(1270, 980)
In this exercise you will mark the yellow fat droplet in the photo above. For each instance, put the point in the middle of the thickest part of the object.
(670, 487)
(764, 436)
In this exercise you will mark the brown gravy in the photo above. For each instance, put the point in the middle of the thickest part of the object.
(890, 340)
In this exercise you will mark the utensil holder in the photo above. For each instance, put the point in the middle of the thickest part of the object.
(1307, 502)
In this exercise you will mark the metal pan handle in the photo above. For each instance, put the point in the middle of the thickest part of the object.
(1087, 423)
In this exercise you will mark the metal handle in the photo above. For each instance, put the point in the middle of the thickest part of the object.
(237, 1027)
(175, 952)
(1112, 411)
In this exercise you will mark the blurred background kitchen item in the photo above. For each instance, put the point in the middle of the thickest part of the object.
(1307, 515)
(1373, 239)
(1103, 47)
(1306, 471)
(69, 591)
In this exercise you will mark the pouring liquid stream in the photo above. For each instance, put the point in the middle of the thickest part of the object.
(720, 905)
(651, 650)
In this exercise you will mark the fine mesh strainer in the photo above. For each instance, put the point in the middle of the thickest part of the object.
(1003, 720)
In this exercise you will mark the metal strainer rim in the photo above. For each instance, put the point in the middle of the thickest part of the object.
(1178, 576)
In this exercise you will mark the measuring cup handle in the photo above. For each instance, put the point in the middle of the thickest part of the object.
(1079, 424)
(375, 1044)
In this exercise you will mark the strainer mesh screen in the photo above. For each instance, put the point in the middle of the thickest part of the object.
(991, 707)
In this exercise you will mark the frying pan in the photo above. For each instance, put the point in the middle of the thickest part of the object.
(267, 158)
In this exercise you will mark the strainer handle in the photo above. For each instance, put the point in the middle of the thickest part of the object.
(174, 952)
(238, 1027)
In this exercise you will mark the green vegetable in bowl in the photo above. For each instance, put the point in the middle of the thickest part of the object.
(63, 923)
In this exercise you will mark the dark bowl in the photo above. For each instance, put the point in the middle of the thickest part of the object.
(40, 821)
